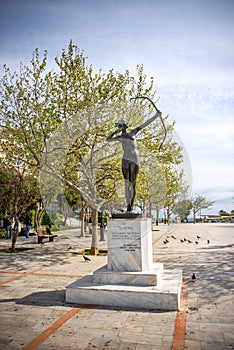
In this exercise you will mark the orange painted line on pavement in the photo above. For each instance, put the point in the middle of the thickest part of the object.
(39, 274)
(11, 279)
(26, 273)
(11, 272)
(51, 264)
(44, 335)
(157, 239)
(55, 275)
(180, 322)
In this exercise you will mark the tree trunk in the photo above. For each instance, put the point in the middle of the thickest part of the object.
(150, 209)
(15, 232)
(38, 216)
(65, 220)
(168, 215)
(82, 216)
(14, 239)
(94, 243)
(194, 216)
(157, 215)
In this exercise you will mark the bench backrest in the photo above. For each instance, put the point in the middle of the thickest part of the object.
(41, 231)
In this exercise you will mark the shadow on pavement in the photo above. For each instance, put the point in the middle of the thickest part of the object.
(45, 298)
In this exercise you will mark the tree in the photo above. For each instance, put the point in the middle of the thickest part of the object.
(167, 182)
(57, 123)
(34, 103)
(182, 208)
(223, 213)
(19, 191)
(199, 203)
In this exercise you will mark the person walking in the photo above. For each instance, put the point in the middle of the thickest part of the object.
(8, 226)
(28, 223)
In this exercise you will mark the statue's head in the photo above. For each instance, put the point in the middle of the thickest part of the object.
(121, 124)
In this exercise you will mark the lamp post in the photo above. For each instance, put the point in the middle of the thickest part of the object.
(102, 238)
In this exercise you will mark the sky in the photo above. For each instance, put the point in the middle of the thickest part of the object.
(187, 46)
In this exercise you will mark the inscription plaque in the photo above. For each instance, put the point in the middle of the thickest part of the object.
(129, 244)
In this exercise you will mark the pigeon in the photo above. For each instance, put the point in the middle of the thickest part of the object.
(182, 240)
(185, 239)
(190, 241)
(173, 237)
(194, 277)
(208, 241)
(86, 258)
(196, 242)
(198, 237)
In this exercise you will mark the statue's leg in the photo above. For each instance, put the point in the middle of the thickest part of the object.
(130, 171)
(134, 174)
(126, 170)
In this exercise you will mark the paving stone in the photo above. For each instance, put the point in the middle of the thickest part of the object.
(193, 345)
(207, 345)
(35, 300)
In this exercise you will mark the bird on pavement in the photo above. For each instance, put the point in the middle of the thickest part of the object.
(194, 277)
(190, 241)
(196, 242)
(198, 237)
(208, 241)
(182, 240)
(86, 258)
(173, 237)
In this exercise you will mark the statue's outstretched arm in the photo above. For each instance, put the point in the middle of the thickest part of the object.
(147, 122)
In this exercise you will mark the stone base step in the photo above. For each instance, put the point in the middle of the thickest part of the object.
(138, 278)
(163, 297)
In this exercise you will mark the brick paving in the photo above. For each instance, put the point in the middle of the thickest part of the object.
(34, 314)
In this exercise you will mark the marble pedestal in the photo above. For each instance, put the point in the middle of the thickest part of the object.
(130, 279)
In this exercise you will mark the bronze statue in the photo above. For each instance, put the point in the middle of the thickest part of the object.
(130, 159)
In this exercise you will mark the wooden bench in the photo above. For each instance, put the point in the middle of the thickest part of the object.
(41, 234)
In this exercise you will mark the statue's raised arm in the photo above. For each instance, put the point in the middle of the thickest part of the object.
(147, 122)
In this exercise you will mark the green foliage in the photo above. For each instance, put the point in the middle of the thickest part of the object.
(142, 189)
(199, 203)
(182, 208)
(82, 104)
(46, 220)
(18, 191)
(2, 234)
(32, 214)
(225, 213)
(107, 180)
(53, 219)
